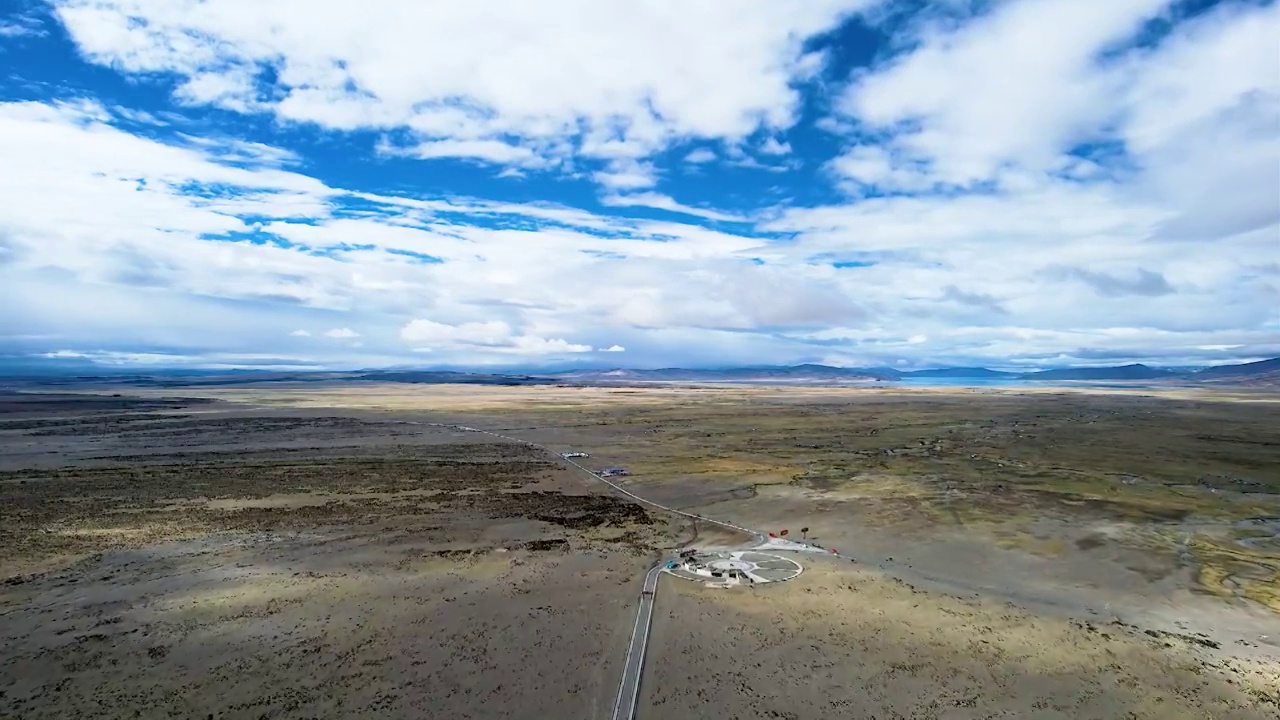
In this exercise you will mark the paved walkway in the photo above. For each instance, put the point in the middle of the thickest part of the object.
(624, 708)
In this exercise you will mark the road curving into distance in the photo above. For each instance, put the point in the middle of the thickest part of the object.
(756, 536)
(624, 708)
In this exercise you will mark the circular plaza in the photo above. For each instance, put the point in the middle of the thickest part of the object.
(734, 568)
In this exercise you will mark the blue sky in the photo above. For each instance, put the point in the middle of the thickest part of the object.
(300, 183)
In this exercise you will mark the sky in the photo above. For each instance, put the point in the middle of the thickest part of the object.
(639, 183)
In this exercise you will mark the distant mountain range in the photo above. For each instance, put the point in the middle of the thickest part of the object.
(825, 373)
(1261, 373)
(791, 373)
(958, 372)
(1262, 368)
(1121, 372)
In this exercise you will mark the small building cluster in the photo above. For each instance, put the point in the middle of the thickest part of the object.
(731, 572)
(722, 569)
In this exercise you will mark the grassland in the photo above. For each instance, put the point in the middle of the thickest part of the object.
(1193, 475)
(164, 560)
(337, 546)
(1197, 476)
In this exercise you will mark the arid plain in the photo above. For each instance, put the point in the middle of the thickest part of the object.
(319, 550)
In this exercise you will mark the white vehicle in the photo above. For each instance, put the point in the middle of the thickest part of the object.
(574, 455)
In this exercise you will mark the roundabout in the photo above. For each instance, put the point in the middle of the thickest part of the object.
(734, 568)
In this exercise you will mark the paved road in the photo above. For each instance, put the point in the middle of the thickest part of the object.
(756, 536)
(624, 708)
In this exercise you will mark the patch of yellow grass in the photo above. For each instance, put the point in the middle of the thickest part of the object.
(1049, 547)
(882, 485)
(1256, 575)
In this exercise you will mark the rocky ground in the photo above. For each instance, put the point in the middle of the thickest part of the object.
(160, 562)
(841, 641)
(318, 551)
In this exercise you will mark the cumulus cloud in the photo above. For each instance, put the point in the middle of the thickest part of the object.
(301, 333)
(699, 156)
(1016, 86)
(959, 109)
(626, 175)
(427, 332)
(466, 78)
(529, 345)
(1033, 181)
(495, 336)
(773, 146)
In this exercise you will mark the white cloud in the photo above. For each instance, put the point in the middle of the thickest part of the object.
(341, 334)
(1061, 243)
(126, 263)
(699, 156)
(529, 345)
(22, 25)
(1206, 68)
(666, 202)
(112, 240)
(1204, 102)
(1203, 110)
(627, 175)
(209, 361)
(111, 357)
(492, 151)
(613, 349)
(477, 72)
(226, 149)
(1015, 87)
(427, 332)
(13, 30)
(494, 336)
(229, 88)
(877, 166)
(301, 333)
(773, 146)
